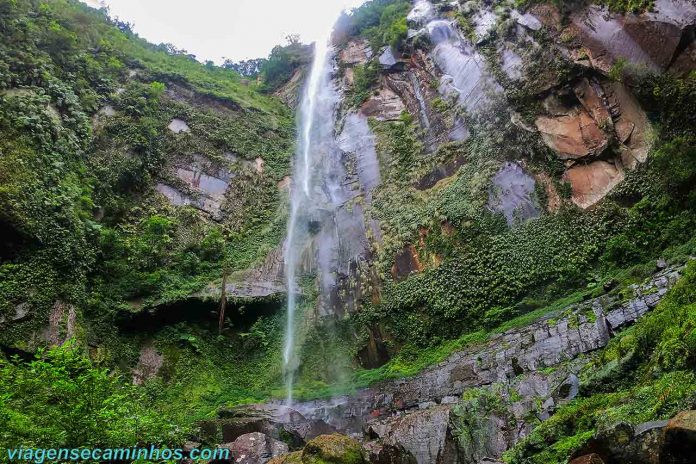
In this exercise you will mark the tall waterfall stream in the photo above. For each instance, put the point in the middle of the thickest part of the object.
(315, 138)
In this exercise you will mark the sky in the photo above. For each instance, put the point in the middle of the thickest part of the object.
(234, 29)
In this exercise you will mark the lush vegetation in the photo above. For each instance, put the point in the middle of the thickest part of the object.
(61, 399)
(91, 246)
(284, 61)
(381, 22)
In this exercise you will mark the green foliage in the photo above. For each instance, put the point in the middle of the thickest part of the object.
(84, 109)
(76, 185)
(283, 61)
(382, 22)
(365, 78)
(672, 97)
(61, 400)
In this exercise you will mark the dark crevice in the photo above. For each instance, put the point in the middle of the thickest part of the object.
(240, 315)
(11, 352)
(12, 242)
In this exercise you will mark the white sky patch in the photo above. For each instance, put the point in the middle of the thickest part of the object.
(235, 29)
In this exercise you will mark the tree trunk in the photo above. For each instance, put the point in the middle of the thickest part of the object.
(223, 302)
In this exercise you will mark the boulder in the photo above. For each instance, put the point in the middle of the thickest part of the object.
(424, 433)
(178, 126)
(255, 448)
(527, 20)
(632, 126)
(591, 182)
(573, 135)
(624, 443)
(680, 439)
(590, 95)
(334, 448)
(388, 61)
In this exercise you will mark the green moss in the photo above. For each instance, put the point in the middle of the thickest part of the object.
(332, 449)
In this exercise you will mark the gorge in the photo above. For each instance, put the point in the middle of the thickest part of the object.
(453, 232)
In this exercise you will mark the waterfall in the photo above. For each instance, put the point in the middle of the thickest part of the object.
(315, 140)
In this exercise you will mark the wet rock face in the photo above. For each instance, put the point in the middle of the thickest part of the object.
(512, 194)
(406, 263)
(653, 39)
(355, 52)
(388, 60)
(62, 324)
(290, 92)
(385, 105)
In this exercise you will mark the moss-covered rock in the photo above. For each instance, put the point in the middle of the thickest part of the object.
(334, 449)
(291, 458)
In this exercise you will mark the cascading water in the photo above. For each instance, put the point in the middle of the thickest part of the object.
(315, 130)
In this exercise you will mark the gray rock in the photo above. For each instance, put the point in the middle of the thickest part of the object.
(178, 126)
(21, 312)
(425, 434)
(388, 61)
(255, 448)
(527, 20)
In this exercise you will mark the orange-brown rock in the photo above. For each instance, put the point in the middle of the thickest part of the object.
(384, 106)
(572, 136)
(679, 445)
(406, 262)
(632, 126)
(589, 95)
(591, 182)
(588, 459)
(355, 52)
